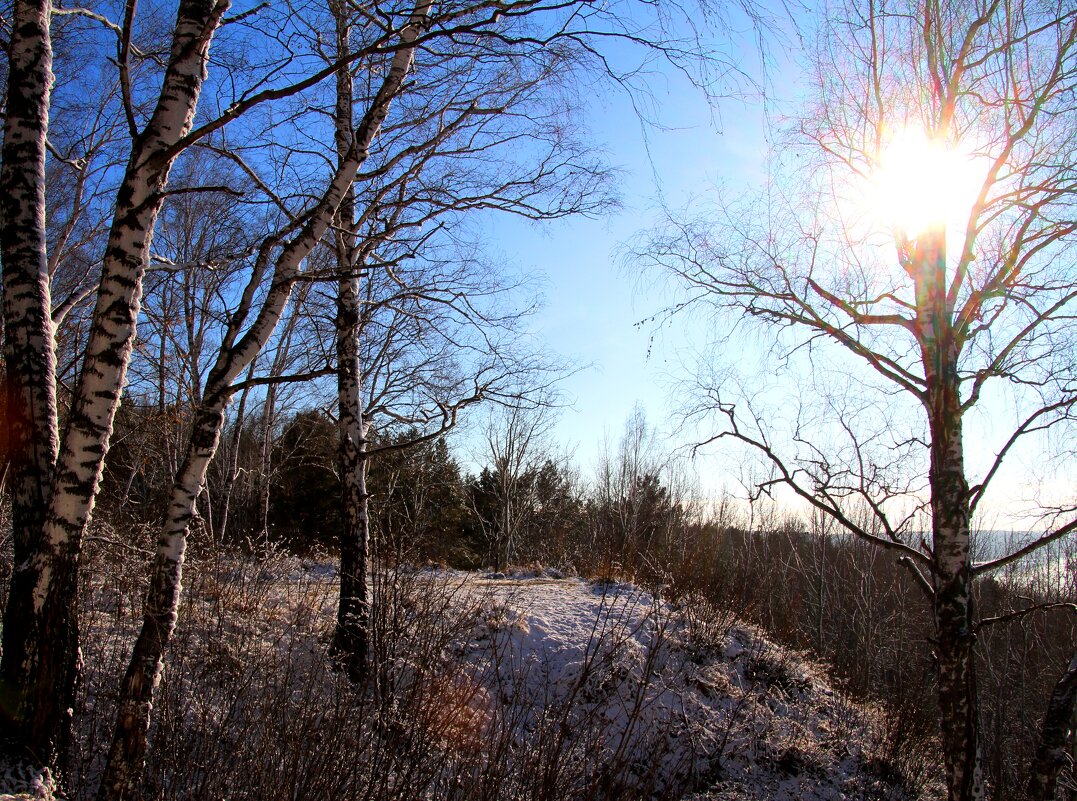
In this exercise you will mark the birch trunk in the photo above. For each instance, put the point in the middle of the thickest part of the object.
(1056, 736)
(954, 636)
(38, 658)
(41, 649)
(951, 573)
(123, 770)
(111, 338)
(351, 639)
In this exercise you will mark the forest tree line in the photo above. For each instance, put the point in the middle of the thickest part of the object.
(424, 506)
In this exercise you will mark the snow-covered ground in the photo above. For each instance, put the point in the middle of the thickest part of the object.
(677, 697)
(530, 685)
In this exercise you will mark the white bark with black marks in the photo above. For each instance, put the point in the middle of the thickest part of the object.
(112, 333)
(37, 674)
(351, 638)
(47, 639)
(950, 516)
(123, 771)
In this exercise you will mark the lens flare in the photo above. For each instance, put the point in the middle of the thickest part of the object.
(921, 183)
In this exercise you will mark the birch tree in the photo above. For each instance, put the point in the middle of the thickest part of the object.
(242, 343)
(29, 680)
(421, 331)
(351, 636)
(55, 495)
(928, 294)
(61, 478)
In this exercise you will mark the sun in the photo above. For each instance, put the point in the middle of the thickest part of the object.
(920, 183)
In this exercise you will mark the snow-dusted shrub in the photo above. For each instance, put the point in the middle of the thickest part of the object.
(250, 705)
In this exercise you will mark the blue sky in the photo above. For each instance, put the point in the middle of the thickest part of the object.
(594, 299)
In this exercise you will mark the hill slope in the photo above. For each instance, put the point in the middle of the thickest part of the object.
(678, 697)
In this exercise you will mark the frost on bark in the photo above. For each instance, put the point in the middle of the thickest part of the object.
(123, 771)
(37, 676)
(1056, 736)
(351, 638)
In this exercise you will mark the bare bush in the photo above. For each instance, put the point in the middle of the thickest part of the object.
(251, 706)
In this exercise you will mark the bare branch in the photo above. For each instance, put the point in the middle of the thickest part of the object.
(1021, 553)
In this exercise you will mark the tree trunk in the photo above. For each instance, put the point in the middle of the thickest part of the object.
(37, 676)
(40, 632)
(952, 577)
(1056, 736)
(123, 771)
(351, 639)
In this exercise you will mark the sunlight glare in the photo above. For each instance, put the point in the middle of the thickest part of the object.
(921, 183)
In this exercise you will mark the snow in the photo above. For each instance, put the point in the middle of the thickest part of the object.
(616, 692)
(727, 713)
(23, 782)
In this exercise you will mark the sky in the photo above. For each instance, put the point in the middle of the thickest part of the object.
(596, 300)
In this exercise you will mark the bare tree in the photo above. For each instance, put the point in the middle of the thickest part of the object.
(517, 444)
(410, 121)
(55, 496)
(351, 636)
(28, 684)
(422, 327)
(942, 323)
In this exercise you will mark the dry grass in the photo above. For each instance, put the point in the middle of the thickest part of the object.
(251, 708)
